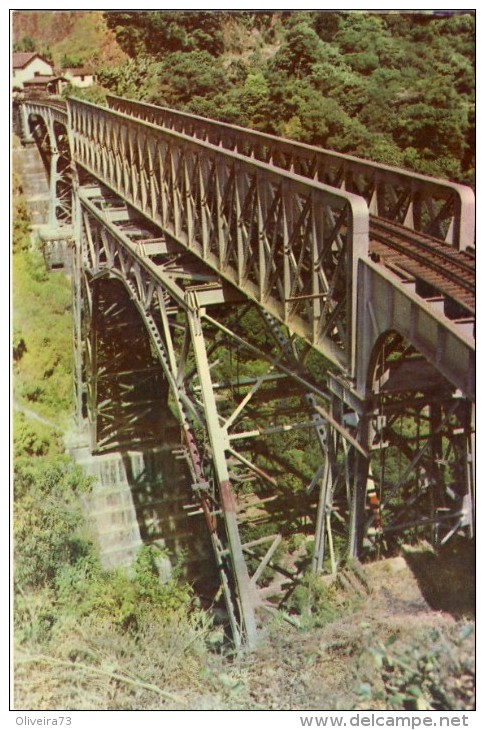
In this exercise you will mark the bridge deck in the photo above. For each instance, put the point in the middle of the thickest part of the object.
(397, 195)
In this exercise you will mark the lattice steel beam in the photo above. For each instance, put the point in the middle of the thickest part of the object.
(55, 148)
(290, 244)
(224, 452)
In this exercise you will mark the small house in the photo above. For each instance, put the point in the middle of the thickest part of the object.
(79, 76)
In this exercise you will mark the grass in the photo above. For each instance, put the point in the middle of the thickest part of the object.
(42, 337)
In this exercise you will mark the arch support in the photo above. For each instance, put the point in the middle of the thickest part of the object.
(385, 304)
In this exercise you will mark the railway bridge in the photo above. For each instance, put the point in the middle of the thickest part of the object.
(302, 319)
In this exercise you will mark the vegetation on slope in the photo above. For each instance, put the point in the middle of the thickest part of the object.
(67, 37)
(398, 88)
(42, 356)
(70, 614)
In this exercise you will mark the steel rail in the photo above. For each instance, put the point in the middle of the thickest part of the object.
(447, 270)
(400, 238)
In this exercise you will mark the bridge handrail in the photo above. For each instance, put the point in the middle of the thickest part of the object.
(413, 210)
(59, 108)
(125, 153)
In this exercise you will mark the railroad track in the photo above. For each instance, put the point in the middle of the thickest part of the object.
(449, 271)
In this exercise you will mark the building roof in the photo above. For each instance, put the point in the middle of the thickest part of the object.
(42, 80)
(21, 59)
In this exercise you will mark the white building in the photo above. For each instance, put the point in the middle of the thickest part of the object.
(27, 66)
(79, 76)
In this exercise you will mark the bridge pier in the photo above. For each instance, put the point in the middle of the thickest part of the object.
(219, 443)
(26, 134)
(54, 181)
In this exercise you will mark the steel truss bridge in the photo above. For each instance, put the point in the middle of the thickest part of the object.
(305, 317)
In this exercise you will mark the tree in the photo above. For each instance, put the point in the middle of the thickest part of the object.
(161, 32)
(185, 75)
(71, 60)
(48, 512)
(255, 99)
(301, 50)
(137, 79)
(434, 121)
(27, 43)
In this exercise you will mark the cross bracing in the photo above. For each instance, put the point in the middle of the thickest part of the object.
(319, 389)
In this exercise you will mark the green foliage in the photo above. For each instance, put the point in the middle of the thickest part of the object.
(21, 221)
(160, 32)
(26, 44)
(255, 100)
(301, 50)
(313, 604)
(136, 78)
(31, 438)
(435, 672)
(190, 74)
(95, 94)
(42, 334)
(71, 60)
(128, 601)
(41, 345)
(54, 554)
(47, 516)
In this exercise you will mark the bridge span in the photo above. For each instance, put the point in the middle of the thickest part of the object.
(306, 317)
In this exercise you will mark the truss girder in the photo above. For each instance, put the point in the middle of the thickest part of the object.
(442, 209)
(421, 473)
(233, 431)
(289, 244)
(108, 252)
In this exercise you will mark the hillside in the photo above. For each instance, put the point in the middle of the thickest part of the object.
(69, 37)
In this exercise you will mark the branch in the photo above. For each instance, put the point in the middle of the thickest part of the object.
(24, 658)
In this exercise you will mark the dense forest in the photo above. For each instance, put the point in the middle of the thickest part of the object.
(396, 87)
